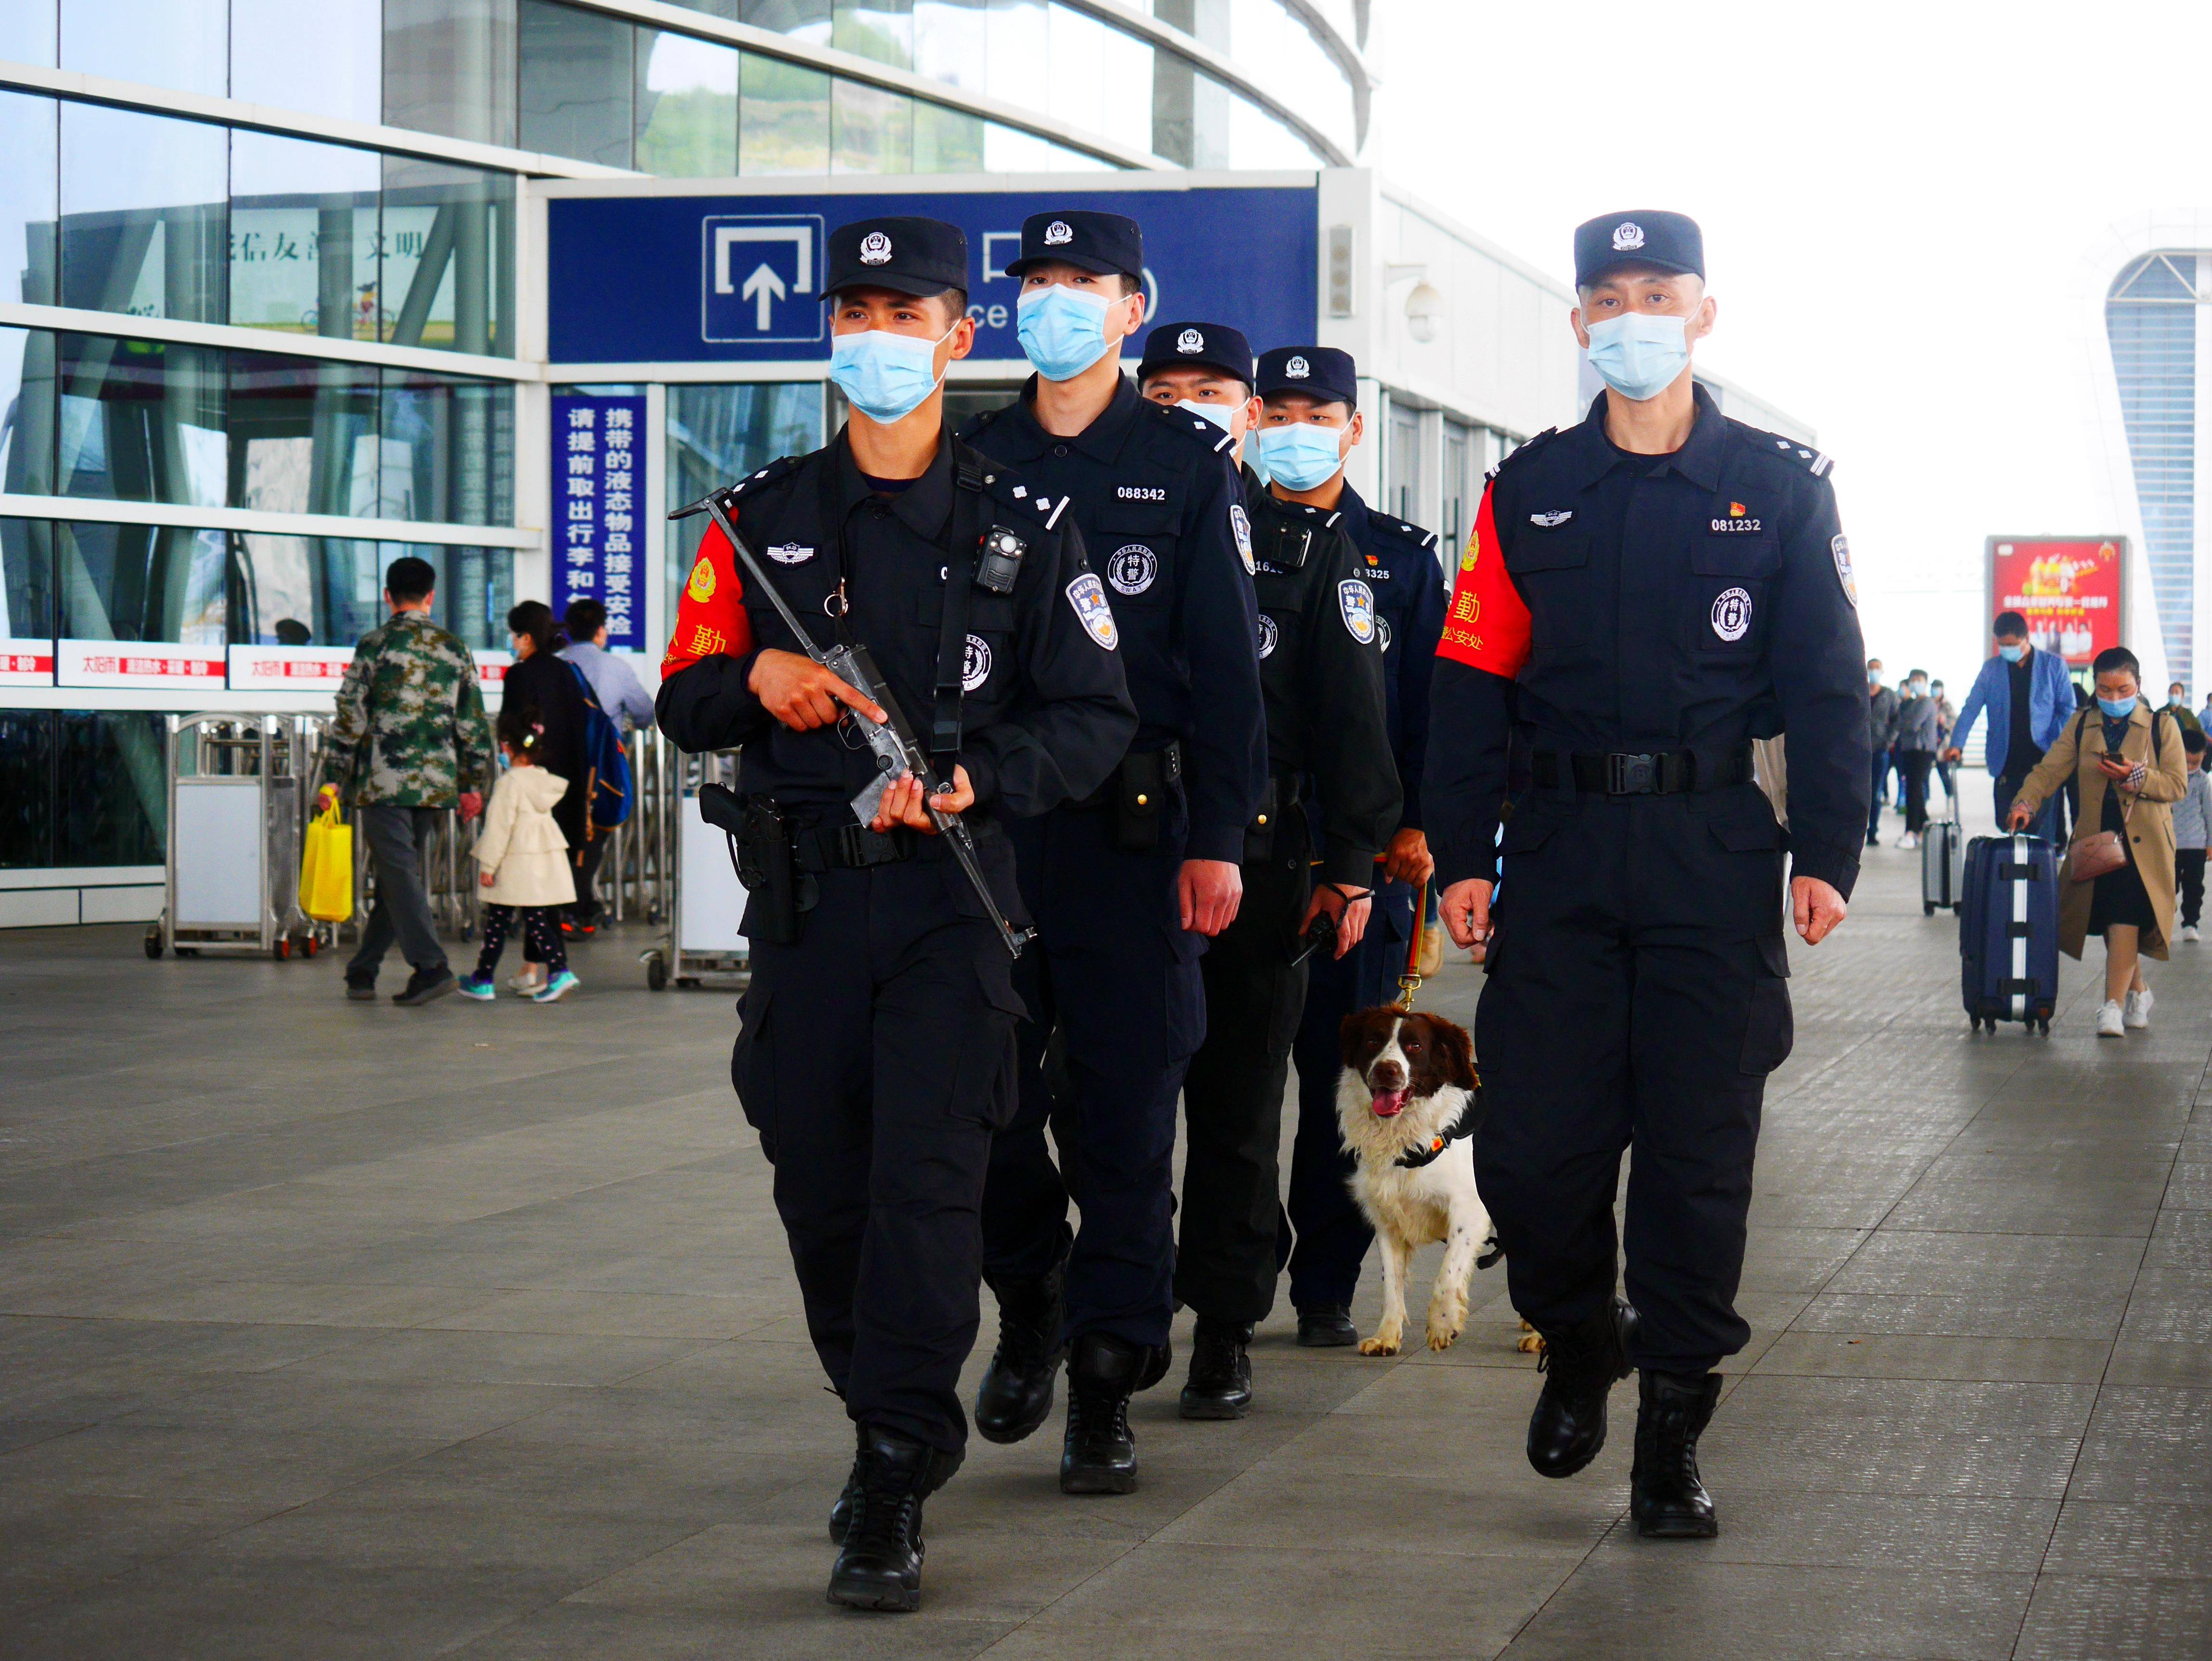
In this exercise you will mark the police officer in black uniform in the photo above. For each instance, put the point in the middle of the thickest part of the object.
(1127, 882)
(877, 1054)
(1645, 595)
(1320, 662)
(1398, 561)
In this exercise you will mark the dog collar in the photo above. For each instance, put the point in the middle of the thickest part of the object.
(1457, 1130)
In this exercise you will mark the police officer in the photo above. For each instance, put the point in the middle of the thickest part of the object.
(1398, 561)
(1127, 883)
(877, 1052)
(1645, 596)
(1320, 663)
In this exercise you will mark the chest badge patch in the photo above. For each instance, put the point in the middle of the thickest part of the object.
(1270, 636)
(1842, 551)
(974, 664)
(1088, 596)
(1382, 628)
(1240, 526)
(1553, 520)
(1132, 569)
(702, 586)
(1732, 615)
(1357, 601)
(791, 553)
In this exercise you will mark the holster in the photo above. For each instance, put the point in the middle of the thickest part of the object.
(1141, 786)
(761, 847)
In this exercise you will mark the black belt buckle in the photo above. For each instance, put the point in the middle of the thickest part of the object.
(1631, 775)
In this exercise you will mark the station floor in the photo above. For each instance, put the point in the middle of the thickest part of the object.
(335, 1331)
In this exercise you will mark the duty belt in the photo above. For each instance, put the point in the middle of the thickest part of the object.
(1662, 773)
(850, 847)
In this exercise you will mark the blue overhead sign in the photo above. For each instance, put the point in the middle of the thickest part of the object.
(691, 279)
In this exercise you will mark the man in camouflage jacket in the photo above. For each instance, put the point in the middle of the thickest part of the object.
(409, 741)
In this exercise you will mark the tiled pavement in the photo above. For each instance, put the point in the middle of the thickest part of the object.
(329, 1331)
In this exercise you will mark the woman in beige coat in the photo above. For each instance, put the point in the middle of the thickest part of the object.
(2130, 764)
(524, 857)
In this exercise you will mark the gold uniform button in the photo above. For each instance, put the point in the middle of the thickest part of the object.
(1263, 819)
(1141, 801)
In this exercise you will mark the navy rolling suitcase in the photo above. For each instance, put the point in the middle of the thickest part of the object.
(2008, 931)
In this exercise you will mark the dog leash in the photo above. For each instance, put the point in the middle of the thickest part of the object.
(1409, 981)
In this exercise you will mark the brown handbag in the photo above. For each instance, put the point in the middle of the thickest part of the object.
(2100, 851)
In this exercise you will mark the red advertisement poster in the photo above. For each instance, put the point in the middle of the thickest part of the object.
(2069, 588)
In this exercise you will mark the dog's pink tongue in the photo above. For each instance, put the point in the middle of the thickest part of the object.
(1388, 1103)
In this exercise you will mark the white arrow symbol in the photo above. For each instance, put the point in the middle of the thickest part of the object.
(764, 286)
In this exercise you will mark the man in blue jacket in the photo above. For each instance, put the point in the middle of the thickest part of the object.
(2029, 700)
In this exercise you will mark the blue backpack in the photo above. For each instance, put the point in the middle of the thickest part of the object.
(606, 762)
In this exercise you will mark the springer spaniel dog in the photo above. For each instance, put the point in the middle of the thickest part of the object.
(1407, 1104)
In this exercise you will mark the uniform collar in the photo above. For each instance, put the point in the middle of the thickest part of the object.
(922, 507)
(1355, 514)
(1101, 440)
(1699, 461)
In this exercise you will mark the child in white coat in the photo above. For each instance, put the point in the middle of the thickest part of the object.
(527, 865)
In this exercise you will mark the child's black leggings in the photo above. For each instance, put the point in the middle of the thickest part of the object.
(541, 931)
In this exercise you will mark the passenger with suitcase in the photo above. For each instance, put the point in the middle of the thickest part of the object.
(2128, 761)
(1915, 753)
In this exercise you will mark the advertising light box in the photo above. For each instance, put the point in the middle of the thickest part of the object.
(2070, 589)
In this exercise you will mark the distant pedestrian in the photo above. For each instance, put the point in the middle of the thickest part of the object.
(616, 689)
(1915, 753)
(540, 681)
(1881, 733)
(409, 741)
(2128, 762)
(2177, 705)
(2204, 715)
(2192, 835)
(1946, 719)
(525, 874)
(2030, 701)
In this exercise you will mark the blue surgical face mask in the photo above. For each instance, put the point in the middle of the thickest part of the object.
(1640, 355)
(2012, 653)
(1223, 416)
(885, 375)
(1062, 330)
(1301, 456)
(2116, 707)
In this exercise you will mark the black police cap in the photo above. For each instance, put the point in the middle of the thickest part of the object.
(1654, 237)
(1212, 345)
(906, 255)
(1324, 373)
(1100, 242)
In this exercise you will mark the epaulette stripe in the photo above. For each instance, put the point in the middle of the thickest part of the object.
(1822, 463)
(1430, 540)
(1331, 520)
(1053, 522)
(1227, 439)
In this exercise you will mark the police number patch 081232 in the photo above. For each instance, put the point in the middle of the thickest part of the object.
(1842, 551)
(974, 664)
(1732, 614)
(1240, 526)
(1357, 601)
(1088, 596)
(1131, 568)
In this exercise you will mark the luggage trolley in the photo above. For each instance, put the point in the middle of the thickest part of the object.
(705, 902)
(236, 800)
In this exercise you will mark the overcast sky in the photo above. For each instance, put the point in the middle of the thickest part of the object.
(1898, 201)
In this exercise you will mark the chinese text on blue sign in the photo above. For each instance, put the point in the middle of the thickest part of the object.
(599, 477)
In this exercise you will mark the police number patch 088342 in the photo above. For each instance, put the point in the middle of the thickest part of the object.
(1131, 568)
(1732, 614)
(1088, 596)
(1357, 601)
(974, 664)
(1842, 551)
(1240, 526)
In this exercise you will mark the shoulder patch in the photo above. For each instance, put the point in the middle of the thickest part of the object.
(1356, 600)
(1188, 429)
(1525, 451)
(768, 475)
(1088, 596)
(1840, 551)
(1783, 448)
(1240, 526)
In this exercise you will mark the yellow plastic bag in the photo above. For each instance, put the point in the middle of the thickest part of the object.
(326, 868)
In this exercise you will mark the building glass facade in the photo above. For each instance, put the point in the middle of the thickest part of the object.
(2151, 319)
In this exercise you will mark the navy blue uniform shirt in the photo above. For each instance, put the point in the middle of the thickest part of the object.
(1611, 602)
(1400, 564)
(1156, 498)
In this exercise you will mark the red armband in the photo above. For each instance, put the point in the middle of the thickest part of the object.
(1486, 626)
(710, 614)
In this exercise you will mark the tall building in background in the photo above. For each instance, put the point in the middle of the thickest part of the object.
(2152, 326)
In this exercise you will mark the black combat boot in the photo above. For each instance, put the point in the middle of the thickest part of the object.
(1016, 1395)
(841, 1513)
(1220, 1384)
(1580, 1364)
(1100, 1454)
(1667, 1497)
(1327, 1326)
(879, 1567)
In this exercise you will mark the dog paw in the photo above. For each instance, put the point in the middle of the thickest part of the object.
(1441, 1338)
(1531, 1344)
(1378, 1345)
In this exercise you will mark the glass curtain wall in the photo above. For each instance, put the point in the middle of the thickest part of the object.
(2151, 319)
(716, 433)
(80, 787)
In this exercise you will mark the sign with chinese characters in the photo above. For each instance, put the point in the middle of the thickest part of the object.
(598, 512)
(2070, 589)
(27, 663)
(289, 668)
(138, 663)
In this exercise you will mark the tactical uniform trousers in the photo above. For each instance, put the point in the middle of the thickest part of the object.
(1636, 997)
(1325, 1236)
(399, 840)
(1114, 983)
(1228, 1262)
(876, 1060)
